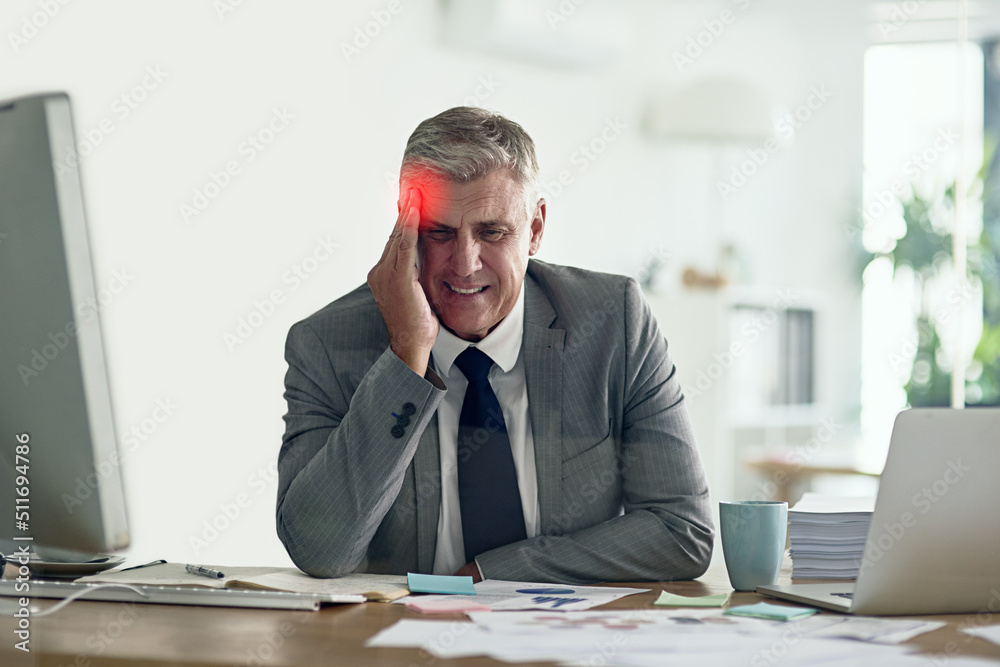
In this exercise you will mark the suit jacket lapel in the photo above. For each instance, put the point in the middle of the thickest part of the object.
(427, 482)
(543, 348)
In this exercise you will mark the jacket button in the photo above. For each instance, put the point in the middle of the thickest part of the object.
(397, 431)
(409, 409)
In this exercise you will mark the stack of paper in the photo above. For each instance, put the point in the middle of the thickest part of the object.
(828, 535)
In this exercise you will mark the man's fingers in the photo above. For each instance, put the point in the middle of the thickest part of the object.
(411, 212)
(404, 207)
(390, 244)
(410, 224)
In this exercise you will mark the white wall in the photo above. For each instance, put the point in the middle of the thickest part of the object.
(324, 176)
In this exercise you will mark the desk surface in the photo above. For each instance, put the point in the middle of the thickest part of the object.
(89, 634)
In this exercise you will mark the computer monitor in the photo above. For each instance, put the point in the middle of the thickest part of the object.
(60, 474)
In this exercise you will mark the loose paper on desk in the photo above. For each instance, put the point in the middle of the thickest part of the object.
(382, 588)
(557, 636)
(802, 653)
(990, 633)
(670, 600)
(375, 587)
(865, 628)
(514, 595)
(450, 605)
(628, 637)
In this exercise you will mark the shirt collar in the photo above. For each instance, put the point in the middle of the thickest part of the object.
(503, 344)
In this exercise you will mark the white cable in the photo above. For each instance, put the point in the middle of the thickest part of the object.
(81, 593)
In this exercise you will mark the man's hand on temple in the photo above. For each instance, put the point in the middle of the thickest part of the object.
(412, 325)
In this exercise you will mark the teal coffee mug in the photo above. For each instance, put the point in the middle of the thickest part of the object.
(753, 541)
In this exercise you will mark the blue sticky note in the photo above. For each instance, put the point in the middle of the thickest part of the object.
(770, 611)
(433, 583)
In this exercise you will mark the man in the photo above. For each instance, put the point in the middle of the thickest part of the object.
(471, 411)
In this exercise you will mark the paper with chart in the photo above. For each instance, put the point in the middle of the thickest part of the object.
(519, 595)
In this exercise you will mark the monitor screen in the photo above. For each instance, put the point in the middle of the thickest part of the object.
(60, 476)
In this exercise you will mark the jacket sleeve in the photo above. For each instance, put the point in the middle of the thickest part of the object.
(665, 530)
(343, 457)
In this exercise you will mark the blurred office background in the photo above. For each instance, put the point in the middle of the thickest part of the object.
(794, 182)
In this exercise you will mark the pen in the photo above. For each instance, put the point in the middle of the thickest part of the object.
(136, 567)
(204, 571)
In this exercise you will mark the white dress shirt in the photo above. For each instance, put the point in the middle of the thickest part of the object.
(503, 345)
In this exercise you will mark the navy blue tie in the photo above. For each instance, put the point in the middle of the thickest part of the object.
(487, 480)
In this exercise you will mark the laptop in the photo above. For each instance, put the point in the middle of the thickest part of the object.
(934, 542)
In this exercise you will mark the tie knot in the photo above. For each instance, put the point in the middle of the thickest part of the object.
(474, 364)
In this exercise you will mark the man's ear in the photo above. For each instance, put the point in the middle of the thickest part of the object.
(537, 227)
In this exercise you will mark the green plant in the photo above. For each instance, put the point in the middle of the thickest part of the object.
(926, 248)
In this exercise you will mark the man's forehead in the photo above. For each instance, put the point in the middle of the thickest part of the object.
(438, 185)
(496, 195)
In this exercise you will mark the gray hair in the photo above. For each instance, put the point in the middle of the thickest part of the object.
(463, 144)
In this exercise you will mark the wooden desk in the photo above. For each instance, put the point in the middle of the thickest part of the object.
(87, 634)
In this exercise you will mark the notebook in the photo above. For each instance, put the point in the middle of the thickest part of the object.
(933, 546)
(373, 587)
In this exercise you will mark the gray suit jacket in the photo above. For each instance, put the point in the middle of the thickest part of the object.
(621, 488)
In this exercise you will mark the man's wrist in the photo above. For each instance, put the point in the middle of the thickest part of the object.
(416, 358)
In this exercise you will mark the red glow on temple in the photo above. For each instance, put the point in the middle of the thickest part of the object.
(429, 183)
